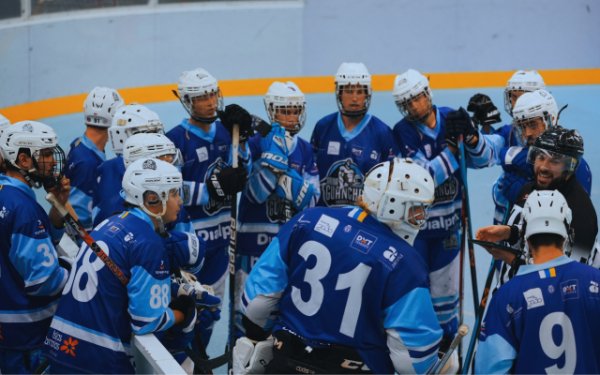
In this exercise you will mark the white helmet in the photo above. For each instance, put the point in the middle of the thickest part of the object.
(546, 211)
(539, 103)
(132, 119)
(286, 96)
(100, 106)
(522, 80)
(150, 145)
(147, 175)
(195, 83)
(33, 136)
(353, 74)
(3, 122)
(392, 188)
(408, 86)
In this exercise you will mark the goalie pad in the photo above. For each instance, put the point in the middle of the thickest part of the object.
(292, 187)
(250, 358)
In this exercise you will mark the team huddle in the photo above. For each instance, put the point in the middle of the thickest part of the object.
(343, 251)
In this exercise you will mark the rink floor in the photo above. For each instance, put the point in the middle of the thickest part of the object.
(583, 114)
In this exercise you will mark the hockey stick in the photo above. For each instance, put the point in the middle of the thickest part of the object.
(85, 236)
(439, 365)
(469, 226)
(235, 142)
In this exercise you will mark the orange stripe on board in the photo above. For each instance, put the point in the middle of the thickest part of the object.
(310, 85)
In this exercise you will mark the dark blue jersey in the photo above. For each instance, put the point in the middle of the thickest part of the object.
(544, 320)
(339, 276)
(82, 162)
(428, 148)
(96, 316)
(344, 157)
(107, 198)
(30, 277)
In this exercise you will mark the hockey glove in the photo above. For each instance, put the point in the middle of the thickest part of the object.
(262, 182)
(275, 151)
(234, 114)
(484, 111)
(459, 123)
(251, 357)
(184, 249)
(226, 182)
(260, 126)
(292, 187)
(185, 304)
(201, 295)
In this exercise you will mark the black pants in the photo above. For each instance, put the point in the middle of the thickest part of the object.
(291, 356)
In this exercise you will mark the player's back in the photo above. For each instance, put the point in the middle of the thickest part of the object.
(340, 285)
(553, 313)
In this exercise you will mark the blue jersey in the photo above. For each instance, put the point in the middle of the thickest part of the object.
(544, 320)
(96, 316)
(344, 157)
(505, 148)
(203, 152)
(107, 198)
(82, 163)
(428, 148)
(260, 222)
(344, 278)
(30, 277)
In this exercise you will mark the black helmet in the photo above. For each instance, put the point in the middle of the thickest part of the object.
(560, 140)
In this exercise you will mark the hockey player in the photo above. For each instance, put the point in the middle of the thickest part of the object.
(284, 178)
(4, 123)
(97, 314)
(31, 274)
(351, 141)
(87, 151)
(209, 181)
(555, 156)
(421, 136)
(129, 119)
(533, 110)
(544, 320)
(341, 290)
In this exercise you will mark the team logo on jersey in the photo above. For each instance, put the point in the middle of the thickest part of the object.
(3, 212)
(213, 206)
(326, 225)
(279, 210)
(363, 241)
(534, 298)
(343, 183)
(569, 289)
(69, 345)
(447, 191)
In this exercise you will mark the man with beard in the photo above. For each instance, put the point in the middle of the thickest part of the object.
(555, 156)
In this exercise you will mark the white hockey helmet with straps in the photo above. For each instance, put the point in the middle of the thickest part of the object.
(101, 105)
(132, 119)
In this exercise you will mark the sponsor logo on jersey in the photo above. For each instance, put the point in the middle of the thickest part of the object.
(343, 183)
(534, 298)
(202, 154)
(363, 241)
(569, 289)
(348, 228)
(129, 237)
(594, 289)
(213, 206)
(69, 345)
(443, 223)
(333, 148)
(374, 155)
(3, 212)
(392, 255)
(326, 225)
(447, 191)
(357, 151)
(40, 228)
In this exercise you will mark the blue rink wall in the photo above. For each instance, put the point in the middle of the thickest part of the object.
(582, 113)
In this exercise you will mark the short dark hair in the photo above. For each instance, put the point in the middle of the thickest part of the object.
(546, 239)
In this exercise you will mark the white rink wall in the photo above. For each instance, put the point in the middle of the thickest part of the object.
(52, 55)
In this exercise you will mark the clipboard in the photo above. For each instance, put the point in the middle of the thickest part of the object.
(497, 246)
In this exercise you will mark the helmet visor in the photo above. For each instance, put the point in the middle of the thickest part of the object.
(555, 160)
